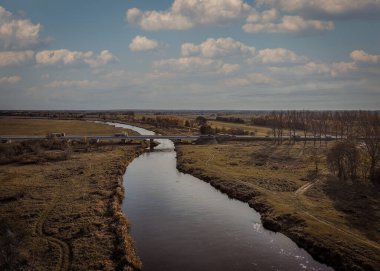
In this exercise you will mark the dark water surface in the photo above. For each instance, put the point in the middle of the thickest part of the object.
(179, 222)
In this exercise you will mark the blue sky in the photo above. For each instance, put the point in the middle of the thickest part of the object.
(190, 54)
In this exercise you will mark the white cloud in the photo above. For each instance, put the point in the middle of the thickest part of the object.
(217, 48)
(102, 59)
(17, 33)
(189, 64)
(63, 56)
(278, 55)
(141, 43)
(194, 65)
(312, 68)
(10, 79)
(362, 56)
(324, 7)
(266, 16)
(229, 68)
(249, 80)
(66, 57)
(13, 58)
(185, 14)
(287, 24)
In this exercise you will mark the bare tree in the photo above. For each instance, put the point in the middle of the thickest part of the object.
(274, 125)
(304, 121)
(343, 159)
(370, 132)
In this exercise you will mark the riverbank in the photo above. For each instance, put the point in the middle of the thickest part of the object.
(336, 223)
(61, 204)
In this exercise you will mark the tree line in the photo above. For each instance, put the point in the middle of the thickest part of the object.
(355, 155)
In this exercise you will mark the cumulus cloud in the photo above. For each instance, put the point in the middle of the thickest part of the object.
(266, 16)
(229, 68)
(195, 65)
(17, 33)
(185, 14)
(287, 24)
(10, 79)
(362, 56)
(312, 68)
(189, 64)
(278, 55)
(66, 57)
(141, 43)
(326, 8)
(221, 47)
(14, 58)
(102, 59)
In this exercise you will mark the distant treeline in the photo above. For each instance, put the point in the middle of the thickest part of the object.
(359, 131)
(167, 121)
(343, 124)
(230, 119)
(69, 114)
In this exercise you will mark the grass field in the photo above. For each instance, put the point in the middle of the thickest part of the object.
(65, 214)
(338, 222)
(17, 126)
(258, 130)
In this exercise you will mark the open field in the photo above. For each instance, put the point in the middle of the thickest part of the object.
(18, 126)
(65, 214)
(246, 127)
(257, 130)
(337, 222)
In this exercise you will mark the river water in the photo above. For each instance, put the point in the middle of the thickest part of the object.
(179, 222)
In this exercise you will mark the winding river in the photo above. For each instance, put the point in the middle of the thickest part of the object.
(179, 222)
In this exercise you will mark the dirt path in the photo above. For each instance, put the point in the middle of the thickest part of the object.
(210, 159)
(63, 248)
(303, 188)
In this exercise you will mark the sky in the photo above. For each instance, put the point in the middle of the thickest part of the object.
(189, 54)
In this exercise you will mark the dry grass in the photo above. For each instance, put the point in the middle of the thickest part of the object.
(337, 222)
(61, 215)
(17, 126)
(258, 130)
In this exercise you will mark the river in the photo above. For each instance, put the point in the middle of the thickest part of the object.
(179, 222)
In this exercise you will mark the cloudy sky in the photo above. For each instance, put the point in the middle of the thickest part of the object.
(190, 54)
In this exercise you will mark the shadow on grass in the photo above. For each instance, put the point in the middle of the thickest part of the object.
(359, 202)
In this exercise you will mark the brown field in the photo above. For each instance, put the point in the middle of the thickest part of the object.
(17, 126)
(337, 222)
(64, 214)
(258, 130)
